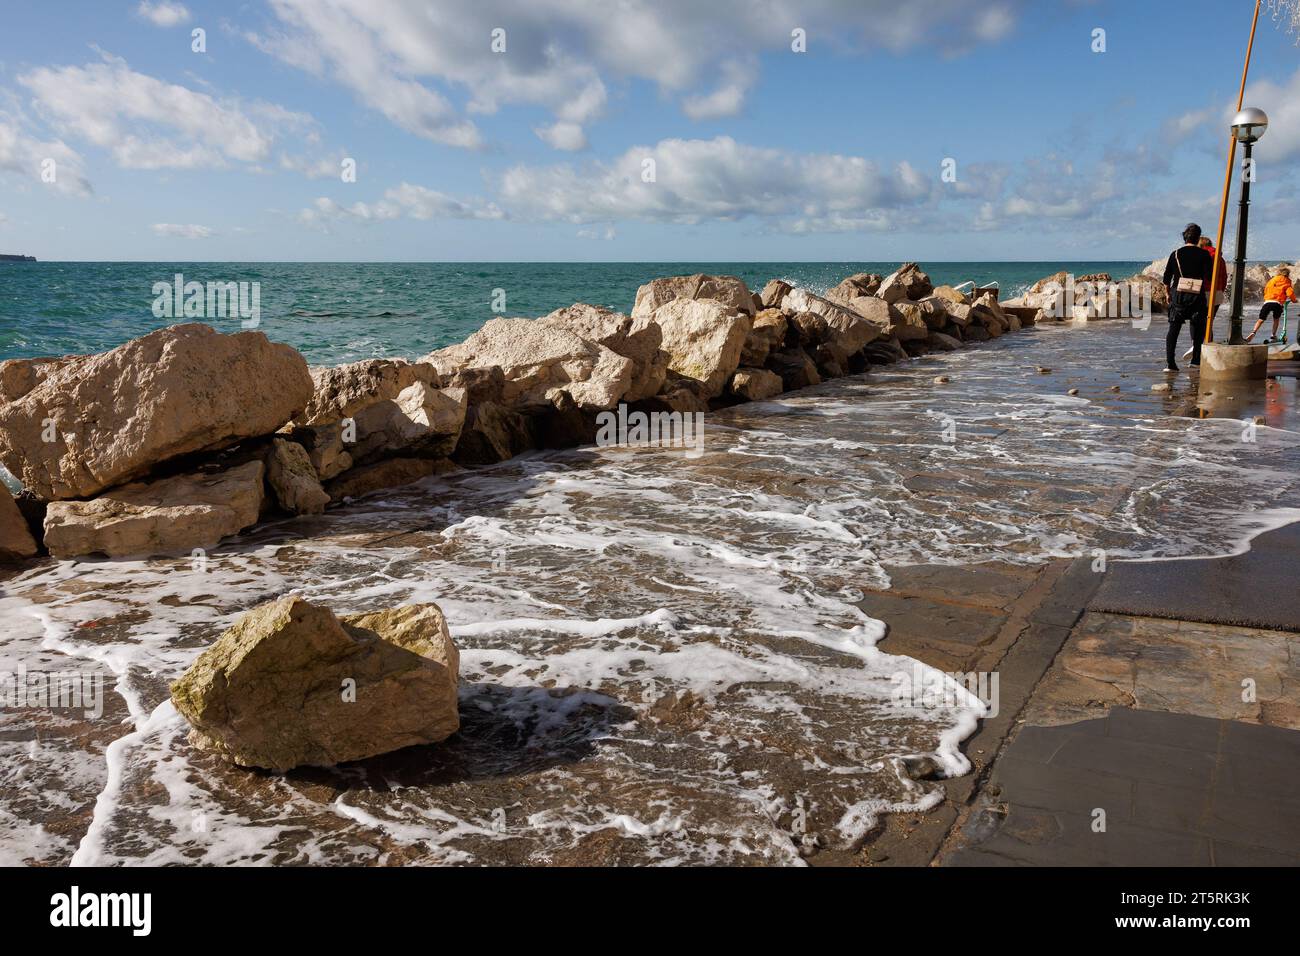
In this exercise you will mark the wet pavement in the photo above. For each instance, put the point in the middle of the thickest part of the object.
(671, 660)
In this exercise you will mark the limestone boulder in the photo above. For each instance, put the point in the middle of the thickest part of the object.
(704, 339)
(951, 295)
(539, 360)
(773, 293)
(795, 368)
(756, 384)
(494, 433)
(909, 282)
(852, 327)
(293, 480)
(389, 473)
(939, 342)
(291, 684)
(169, 516)
(422, 422)
(113, 417)
(343, 390)
(324, 447)
(765, 336)
(728, 290)
(859, 284)
(16, 541)
(909, 322)
(20, 376)
(637, 339)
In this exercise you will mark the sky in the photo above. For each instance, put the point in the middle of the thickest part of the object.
(635, 130)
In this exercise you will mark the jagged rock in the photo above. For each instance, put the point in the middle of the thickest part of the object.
(481, 385)
(16, 539)
(909, 282)
(389, 473)
(728, 290)
(172, 515)
(795, 367)
(909, 324)
(638, 339)
(325, 449)
(681, 396)
(493, 433)
(959, 313)
(859, 284)
(538, 360)
(810, 329)
(20, 376)
(934, 310)
(704, 339)
(293, 479)
(115, 416)
(766, 335)
(342, 391)
(852, 328)
(949, 294)
(422, 421)
(942, 343)
(885, 352)
(289, 684)
(774, 292)
(756, 384)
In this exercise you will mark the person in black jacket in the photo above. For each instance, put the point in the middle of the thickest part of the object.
(1188, 274)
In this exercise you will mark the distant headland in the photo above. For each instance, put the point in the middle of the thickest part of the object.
(7, 258)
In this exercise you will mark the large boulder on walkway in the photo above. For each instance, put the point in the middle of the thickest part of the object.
(16, 541)
(704, 339)
(728, 290)
(795, 368)
(161, 517)
(539, 360)
(113, 417)
(293, 480)
(909, 282)
(290, 684)
(909, 322)
(494, 433)
(638, 339)
(343, 390)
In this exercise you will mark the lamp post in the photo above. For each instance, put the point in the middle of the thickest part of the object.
(1248, 127)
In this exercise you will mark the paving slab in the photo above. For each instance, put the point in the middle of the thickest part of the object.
(1257, 589)
(1138, 787)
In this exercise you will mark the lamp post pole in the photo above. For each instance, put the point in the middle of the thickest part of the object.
(1239, 273)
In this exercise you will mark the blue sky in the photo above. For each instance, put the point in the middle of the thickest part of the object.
(538, 152)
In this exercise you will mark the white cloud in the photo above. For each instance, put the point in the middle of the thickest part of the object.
(561, 54)
(162, 13)
(1282, 104)
(717, 179)
(173, 231)
(406, 200)
(147, 123)
(565, 136)
(28, 157)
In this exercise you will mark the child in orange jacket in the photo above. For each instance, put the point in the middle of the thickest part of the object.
(1278, 292)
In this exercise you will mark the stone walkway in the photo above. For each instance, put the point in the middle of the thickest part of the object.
(1140, 788)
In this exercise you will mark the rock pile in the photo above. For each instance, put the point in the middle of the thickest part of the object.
(184, 437)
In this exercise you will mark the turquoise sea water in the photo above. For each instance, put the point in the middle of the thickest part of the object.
(339, 311)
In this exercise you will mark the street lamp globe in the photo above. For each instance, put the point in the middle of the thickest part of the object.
(1249, 125)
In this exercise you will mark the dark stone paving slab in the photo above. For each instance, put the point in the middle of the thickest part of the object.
(1257, 589)
(1171, 789)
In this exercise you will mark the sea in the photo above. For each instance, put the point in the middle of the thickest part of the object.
(341, 312)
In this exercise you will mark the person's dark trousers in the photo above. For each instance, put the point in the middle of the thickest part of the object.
(1178, 317)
